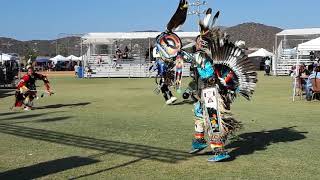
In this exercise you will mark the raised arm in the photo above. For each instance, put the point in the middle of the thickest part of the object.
(45, 81)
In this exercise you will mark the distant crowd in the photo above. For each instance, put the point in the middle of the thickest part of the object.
(307, 79)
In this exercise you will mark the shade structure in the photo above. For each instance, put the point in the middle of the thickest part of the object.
(73, 58)
(261, 53)
(58, 58)
(312, 45)
(5, 57)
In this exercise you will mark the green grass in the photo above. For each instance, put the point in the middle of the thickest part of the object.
(119, 129)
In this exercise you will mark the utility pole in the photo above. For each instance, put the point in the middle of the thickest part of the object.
(197, 6)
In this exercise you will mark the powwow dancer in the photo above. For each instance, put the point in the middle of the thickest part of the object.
(165, 73)
(26, 90)
(178, 77)
(167, 48)
(223, 71)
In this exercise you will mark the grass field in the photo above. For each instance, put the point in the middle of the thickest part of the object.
(119, 129)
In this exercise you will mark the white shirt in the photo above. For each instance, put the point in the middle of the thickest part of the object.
(267, 62)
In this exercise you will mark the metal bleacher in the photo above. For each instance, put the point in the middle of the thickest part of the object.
(130, 68)
(286, 60)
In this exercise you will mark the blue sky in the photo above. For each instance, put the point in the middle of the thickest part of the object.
(46, 19)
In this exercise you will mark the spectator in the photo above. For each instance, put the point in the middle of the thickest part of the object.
(267, 66)
(308, 87)
(99, 60)
(311, 67)
(88, 71)
(149, 54)
(76, 70)
(126, 52)
(118, 53)
(312, 56)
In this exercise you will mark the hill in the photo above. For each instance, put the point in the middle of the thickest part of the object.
(256, 36)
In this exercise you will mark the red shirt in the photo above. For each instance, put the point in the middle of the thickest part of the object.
(30, 81)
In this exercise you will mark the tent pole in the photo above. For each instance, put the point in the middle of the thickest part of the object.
(296, 77)
(275, 60)
(149, 50)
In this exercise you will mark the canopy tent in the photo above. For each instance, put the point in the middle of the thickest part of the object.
(261, 53)
(58, 58)
(74, 58)
(5, 57)
(313, 45)
(41, 59)
(298, 32)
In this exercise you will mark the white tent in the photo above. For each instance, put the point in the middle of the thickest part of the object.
(58, 58)
(5, 57)
(261, 53)
(313, 45)
(73, 58)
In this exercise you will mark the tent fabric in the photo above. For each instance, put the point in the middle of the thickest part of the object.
(5, 57)
(313, 45)
(73, 58)
(58, 58)
(261, 53)
(296, 32)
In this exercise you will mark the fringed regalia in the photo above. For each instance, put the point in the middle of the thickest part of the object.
(221, 71)
(26, 89)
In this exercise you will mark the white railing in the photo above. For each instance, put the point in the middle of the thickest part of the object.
(127, 70)
(284, 65)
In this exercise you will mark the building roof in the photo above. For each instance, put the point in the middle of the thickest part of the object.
(112, 36)
(297, 32)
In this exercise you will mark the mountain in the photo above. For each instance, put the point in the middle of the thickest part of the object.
(64, 46)
(255, 35)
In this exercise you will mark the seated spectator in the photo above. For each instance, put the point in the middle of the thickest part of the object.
(299, 78)
(88, 70)
(308, 87)
(99, 60)
(311, 67)
(126, 52)
(118, 53)
(303, 75)
(312, 56)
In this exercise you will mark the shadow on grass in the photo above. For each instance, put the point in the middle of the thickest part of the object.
(47, 168)
(248, 143)
(6, 93)
(25, 116)
(56, 106)
(47, 120)
(108, 169)
(53, 119)
(108, 146)
(183, 103)
(9, 113)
